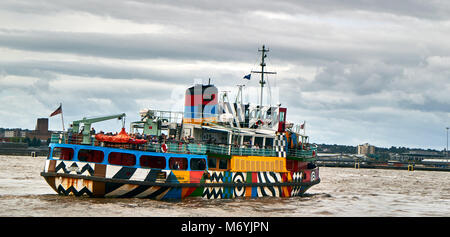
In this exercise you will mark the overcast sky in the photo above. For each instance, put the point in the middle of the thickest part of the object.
(355, 71)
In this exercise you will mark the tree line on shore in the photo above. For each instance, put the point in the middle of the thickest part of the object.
(327, 148)
(33, 142)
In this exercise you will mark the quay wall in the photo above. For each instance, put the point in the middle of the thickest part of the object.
(21, 149)
(365, 166)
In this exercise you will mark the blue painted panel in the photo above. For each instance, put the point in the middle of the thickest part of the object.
(193, 112)
(138, 154)
(210, 111)
(173, 193)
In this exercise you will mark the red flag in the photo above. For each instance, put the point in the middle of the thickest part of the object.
(57, 111)
(302, 126)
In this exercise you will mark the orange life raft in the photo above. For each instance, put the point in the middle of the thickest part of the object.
(122, 137)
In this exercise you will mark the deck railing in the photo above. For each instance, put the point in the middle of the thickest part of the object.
(302, 153)
(190, 148)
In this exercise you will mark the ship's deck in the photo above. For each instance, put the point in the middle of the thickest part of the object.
(194, 147)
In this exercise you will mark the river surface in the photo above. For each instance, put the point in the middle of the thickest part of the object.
(342, 192)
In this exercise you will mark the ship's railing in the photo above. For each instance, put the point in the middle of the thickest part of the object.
(178, 148)
(209, 148)
(57, 138)
(190, 148)
(302, 153)
(242, 151)
(64, 138)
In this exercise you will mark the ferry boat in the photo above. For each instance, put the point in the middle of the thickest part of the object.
(215, 149)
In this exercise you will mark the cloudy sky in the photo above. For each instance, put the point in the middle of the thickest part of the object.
(355, 71)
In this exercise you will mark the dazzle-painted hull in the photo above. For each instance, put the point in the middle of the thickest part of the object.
(99, 180)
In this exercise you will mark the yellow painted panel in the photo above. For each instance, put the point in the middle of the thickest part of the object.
(199, 120)
(258, 164)
(182, 176)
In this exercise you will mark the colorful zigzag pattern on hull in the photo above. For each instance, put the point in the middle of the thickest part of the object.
(79, 186)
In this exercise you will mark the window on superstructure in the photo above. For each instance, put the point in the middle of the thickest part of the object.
(90, 156)
(125, 159)
(281, 116)
(212, 163)
(223, 164)
(62, 153)
(178, 163)
(198, 164)
(156, 162)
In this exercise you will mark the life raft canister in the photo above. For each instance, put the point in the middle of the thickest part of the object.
(164, 148)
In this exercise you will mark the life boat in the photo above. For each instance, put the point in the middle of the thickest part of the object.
(122, 137)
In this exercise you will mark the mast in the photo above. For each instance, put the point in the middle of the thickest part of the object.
(262, 82)
(239, 95)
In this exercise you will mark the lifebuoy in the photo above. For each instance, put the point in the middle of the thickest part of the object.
(164, 148)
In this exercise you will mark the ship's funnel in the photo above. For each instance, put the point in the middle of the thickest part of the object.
(201, 104)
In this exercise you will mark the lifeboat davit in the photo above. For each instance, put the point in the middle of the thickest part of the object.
(122, 137)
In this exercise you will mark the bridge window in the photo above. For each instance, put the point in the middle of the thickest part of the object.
(157, 162)
(90, 156)
(62, 153)
(118, 158)
(198, 164)
(178, 163)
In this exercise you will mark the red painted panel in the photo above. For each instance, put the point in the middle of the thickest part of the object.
(196, 100)
(282, 120)
(255, 177)
(196, 176)
(302, 165)
(308, 176)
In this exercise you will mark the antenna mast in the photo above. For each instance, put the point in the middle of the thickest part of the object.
(262, 82)
(237, 101)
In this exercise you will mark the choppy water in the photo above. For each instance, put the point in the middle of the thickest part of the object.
(342, 192)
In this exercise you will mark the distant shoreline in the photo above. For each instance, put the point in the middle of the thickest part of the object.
(362, 166)
(24, 151)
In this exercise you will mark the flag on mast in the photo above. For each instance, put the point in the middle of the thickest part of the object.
(57, 111)
(302, 126)
(247, 76)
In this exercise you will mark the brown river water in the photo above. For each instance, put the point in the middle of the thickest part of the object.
(343, 192)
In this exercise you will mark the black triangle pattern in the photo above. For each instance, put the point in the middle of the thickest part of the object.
(212, 193)
(75, 192)
(86, 167)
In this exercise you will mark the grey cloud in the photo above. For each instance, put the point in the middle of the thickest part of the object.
(148, 46)
(357, 87)
(134, 46)
(49, 69)
(139, 10)
(362, 78)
